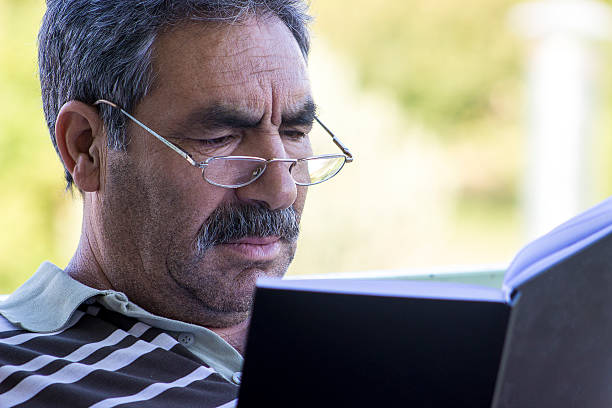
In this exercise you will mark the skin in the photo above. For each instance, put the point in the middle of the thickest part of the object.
(143, 207)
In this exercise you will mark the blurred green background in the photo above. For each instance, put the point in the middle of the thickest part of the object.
(429, 95)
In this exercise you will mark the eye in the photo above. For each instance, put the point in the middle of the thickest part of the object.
(293, 134)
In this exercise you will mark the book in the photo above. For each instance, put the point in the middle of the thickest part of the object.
(337, 343)
(543, 340)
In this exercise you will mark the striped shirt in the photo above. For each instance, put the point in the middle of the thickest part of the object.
(65, 344)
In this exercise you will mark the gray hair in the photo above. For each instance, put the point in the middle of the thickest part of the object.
(92, 49)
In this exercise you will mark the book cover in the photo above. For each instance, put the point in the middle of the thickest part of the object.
(332, 343)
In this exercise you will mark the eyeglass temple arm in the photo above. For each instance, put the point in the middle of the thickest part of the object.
(171, 145)
(345, 150)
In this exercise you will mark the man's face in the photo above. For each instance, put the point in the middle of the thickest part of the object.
(218, 90)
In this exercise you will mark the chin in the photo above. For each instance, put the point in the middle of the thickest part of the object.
(215, 293)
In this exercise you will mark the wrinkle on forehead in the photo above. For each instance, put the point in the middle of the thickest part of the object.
(255, 65)
(244, 48)
(264, 61)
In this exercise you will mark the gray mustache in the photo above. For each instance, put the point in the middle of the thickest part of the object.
(232, 222)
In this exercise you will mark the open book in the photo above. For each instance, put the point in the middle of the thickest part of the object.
(543, 340)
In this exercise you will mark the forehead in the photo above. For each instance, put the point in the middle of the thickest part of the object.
(255, 65)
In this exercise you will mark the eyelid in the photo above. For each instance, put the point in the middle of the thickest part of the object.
(306, 129)
(218, 140)
(294, 135)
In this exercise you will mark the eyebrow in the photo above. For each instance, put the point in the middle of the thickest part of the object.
(218, 116)
(305, 115)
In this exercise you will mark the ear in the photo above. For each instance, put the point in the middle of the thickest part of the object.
(79, 136)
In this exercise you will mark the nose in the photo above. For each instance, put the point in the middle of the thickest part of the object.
(275, 188)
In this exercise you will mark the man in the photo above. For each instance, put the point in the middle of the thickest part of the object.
(145, 100)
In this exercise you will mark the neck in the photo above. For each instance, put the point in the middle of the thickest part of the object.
(235, 335)
(84, 265)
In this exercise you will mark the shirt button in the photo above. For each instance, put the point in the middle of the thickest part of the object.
(186, 339)
(237, 377)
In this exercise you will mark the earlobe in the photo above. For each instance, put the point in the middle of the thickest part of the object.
(78, 132)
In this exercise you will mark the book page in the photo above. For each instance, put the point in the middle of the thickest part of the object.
(397, 288)
(559, 244)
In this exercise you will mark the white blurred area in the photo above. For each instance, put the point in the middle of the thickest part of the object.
(562, 83)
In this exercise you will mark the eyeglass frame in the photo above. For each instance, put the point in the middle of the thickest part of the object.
(348, 157)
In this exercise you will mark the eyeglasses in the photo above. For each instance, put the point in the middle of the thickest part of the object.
(240, 171)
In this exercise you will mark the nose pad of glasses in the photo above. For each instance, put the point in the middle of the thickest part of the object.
(257, 172)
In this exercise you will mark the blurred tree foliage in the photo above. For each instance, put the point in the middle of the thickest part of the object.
(456, 68)
(442, 60)
(31, 196)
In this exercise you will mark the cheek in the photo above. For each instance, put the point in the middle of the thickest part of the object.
(184, 198)
(175, 187)
(161, 202)
(300, 200)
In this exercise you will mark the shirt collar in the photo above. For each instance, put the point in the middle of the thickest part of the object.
(47, 300)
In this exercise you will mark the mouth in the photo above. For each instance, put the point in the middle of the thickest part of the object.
(259, 249)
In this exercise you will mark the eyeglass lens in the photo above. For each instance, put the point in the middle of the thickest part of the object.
(318, 169)
(234, 172)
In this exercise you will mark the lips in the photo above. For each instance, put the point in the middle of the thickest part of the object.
(255, 241)
(256, 248)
